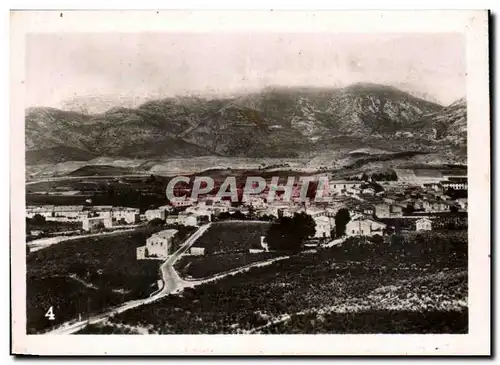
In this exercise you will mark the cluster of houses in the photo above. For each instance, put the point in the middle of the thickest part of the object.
(368, 205)
(91, 216)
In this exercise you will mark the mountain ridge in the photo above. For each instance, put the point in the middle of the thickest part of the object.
(274, 122)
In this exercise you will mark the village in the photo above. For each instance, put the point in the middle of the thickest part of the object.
(408, 203)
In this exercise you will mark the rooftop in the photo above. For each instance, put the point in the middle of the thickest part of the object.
(167, 233)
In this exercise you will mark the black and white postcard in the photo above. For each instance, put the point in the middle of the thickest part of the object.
(228, 176)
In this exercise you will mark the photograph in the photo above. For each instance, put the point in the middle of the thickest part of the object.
(250, 181)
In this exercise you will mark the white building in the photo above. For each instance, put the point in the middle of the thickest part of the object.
(456, 183)
(155, 214)
(462, 202)
(68, 211)
(323, 227)
(424, 224)
(341, 186)
(368, 191)
(191, 220)
(130, 215)
(178, 203)
(197, 251)
(256, 202)
(364, 227)
(184, 219)
(158, 245)
(90, 223)
(44, 210)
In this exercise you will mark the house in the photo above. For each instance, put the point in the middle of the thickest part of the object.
(197, 251)
(256, 202)
(68, 211)
(456, 183)
(364, 227)
(172, 219)
(397, 210)
(285, 211)
(323, 227)
(368, 191)
(462, 202)
(159, 245)
(390, 199)
(367, 209)
(315, 212)
(432, 186)
(341, 186)
(101, 210)
(90, 223)
(423, 224)
(46, 211)
(155, 214)
(177, 203)
(383, 210)
(130, 215)
(192, 221)
(435, 206)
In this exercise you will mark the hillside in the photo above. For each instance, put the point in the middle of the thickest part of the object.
(102, 170)
(448, 124)
(276, 122)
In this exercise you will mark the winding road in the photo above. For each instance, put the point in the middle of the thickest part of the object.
(172, 283)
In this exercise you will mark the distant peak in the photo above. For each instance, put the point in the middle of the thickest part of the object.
(460, 102)
(368, 86)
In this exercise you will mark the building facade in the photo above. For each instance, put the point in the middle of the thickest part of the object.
(90, 223)
(155, 214)
(423, 224)
(159, 245)
(364, 227)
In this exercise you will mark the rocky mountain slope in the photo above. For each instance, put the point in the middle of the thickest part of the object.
(276, 122)
(448, 124)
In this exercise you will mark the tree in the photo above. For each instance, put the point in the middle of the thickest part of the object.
(156, 222)
(238, 215)
(409, 209)
(122, 221)
(100, 225)
(290, 232)
(341, 219)
(224, 215)
(377, 239)
(364, 177)
(38, 219)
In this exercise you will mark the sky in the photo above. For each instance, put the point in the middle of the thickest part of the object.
(132, 67)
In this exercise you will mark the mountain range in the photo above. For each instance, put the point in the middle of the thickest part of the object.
(275, 122)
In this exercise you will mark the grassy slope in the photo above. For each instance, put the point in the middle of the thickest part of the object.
(425, 274)
(225, 237)
(109, 263)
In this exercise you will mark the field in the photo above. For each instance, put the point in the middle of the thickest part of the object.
(197, 267)
(415, 283)
(230, 237)
(137, 192)
(67, 297)
(88, 275)
(50, 228)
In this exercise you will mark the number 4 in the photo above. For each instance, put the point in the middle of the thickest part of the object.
(50, 314)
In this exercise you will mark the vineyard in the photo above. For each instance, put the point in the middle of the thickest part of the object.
(197, 267)
(228, 237)
(358, 287)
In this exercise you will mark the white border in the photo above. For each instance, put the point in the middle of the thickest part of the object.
(473, 23)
